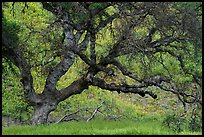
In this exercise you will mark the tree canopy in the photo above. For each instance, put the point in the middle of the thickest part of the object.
(129, 47)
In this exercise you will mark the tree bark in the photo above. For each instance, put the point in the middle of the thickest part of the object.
(41, 112)
(48, 100)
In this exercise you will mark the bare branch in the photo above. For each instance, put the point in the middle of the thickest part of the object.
(66, 62)
(121, 88)
(121, 47)
(16, 56)
(92, 48)
(75, 87)
(67, 115)
(92, 64)
(125, 71)
(95, 111)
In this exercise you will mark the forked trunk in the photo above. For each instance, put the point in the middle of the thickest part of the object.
(41, 112)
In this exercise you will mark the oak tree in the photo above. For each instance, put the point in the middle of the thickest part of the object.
(149, 30)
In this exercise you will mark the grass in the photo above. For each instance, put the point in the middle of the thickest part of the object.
(99, 127)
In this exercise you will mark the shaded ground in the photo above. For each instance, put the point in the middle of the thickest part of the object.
(7, 121)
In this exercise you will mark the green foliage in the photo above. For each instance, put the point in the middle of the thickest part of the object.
(78, 15)
(195, 124)
(176, 123)
(180, 124)
(31, 22)
(12, 95)
(10, 30)
(187, 5)
(96, 5)
(40, 42)
(89, 99)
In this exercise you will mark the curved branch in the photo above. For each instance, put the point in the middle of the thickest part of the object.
(125, 71)
(16, 56)
(121, 88)
(92, 64)
(76, 87)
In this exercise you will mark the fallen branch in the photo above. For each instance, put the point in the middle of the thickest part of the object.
(61, 119)
(95, 111)
(67, 115)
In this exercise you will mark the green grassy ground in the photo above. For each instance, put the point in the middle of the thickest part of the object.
(124, 127)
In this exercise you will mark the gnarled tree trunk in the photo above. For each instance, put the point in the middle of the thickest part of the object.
(48, 100)
(124, 42)
(41, 112)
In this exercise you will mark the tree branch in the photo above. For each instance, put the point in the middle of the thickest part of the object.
(61, 119)
(16, 56)
(121, 88)
(74, 88)
(125, 71)
(92, 48)
(95, 111)
(92, 64)
(102, 24)
(66, 62)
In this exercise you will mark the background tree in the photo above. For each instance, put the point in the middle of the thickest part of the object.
(162, 40)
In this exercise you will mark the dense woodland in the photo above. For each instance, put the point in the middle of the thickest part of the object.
(64, 61)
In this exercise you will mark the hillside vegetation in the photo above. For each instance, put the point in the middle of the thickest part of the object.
(165, 108)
